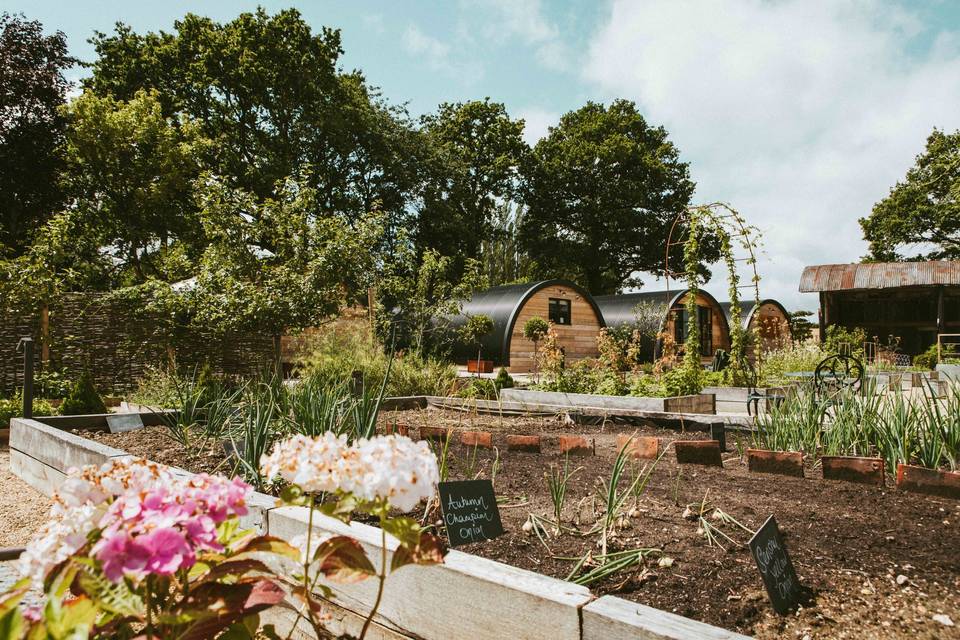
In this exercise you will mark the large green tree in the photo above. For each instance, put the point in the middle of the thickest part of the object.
(476, 151)
(922, 212)
(267, 91)
(32, 89)
(129, 177)
(603, 189)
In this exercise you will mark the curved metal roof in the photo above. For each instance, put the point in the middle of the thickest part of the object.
(879, 275)
(746, 315)
(618, 309)
(503, 305)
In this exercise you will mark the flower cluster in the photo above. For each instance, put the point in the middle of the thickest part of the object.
(390, 468)
(159, 531)
(142, 518)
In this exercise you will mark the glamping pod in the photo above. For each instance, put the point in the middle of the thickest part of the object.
(619, 310)
(568, 307)
(768, 322)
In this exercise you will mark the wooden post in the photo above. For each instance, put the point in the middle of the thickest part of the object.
(44, 335)
(823, 316)
(941, 320)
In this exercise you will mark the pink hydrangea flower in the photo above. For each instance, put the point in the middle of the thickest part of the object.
(121, 554)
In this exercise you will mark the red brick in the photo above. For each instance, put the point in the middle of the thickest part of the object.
(705, 452)
(530, 444)
(945, 484)
(576, 446)
(784, 463)
(483, 439)
(396, 428)
(434, 433)
(853, 469)
(644, 447)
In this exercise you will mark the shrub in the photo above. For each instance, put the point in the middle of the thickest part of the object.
(83, 398)
(51, 384)
(927, 359)
(504, 380)
(479, 388)
(334, 353)
(13, 408)
(845, 341)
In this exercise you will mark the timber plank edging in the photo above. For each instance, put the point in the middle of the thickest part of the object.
(482, 595)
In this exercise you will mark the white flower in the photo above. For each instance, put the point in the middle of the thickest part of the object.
(393, 468)
(313, 464)
(79, 504)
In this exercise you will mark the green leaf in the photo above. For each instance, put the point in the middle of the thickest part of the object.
(11, 624)
(113, 597)
(271, 544)
(405, 530)
(214, 606)
(430, 549)
(342, 559)
(292, 494)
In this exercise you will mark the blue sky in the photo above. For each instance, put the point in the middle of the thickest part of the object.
(799, 113)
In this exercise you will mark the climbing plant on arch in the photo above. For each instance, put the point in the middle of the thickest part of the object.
(738, 243)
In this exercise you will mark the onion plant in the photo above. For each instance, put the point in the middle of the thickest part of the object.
(557, 482)
(257, 430)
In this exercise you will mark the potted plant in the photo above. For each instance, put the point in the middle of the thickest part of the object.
(474, 331)
(534, 330)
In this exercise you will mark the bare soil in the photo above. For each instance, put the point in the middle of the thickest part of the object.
(880, 563)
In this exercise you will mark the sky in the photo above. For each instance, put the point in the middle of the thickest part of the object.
(801, 114)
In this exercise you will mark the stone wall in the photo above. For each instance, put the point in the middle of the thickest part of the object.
(117, 346)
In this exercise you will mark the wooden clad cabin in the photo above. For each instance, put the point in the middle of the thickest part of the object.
(571, 310)
(620, 310)
(768, 323)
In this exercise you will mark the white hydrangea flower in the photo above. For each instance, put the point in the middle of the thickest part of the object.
(394, 468)
(313, 464)
(60, 538)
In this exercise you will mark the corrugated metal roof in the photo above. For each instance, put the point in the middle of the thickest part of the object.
(878, 275)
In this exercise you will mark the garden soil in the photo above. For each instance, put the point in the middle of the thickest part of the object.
(880, 563)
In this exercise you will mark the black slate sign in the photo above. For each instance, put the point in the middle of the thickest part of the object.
(470, 511)
(779, 577)
(120, 422)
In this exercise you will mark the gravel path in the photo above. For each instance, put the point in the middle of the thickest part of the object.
(23, 510)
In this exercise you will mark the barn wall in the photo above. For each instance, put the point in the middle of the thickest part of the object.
(579, 338)
(718, 321)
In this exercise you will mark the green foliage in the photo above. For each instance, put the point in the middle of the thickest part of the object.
(83, 398)
(479, 389)
(801, 329)
(535, 329)
(603, 189)
(845, 341)
(13, 408)
(477, 327)
(476, 154)
(796, 357)
(927, 359)
(504, 380)
(51, 384)
(921, 210)
(32, 69)
(585, 376)
(331, 355)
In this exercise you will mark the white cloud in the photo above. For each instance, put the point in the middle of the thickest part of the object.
(801, 114)
(536, 123)
(439, 56)
(525, 19)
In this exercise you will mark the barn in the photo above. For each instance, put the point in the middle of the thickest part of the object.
(768, 321)
(620, 310)
(571, 309)
(909, 302)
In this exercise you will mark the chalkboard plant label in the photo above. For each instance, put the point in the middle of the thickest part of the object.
(779, 576)
(470, 511)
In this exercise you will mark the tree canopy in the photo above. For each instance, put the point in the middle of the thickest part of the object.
(32, 89)
(603, 189)
(920, 218)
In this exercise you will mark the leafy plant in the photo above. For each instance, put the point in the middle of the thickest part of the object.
(474, 330)
(13, 408)
(83, 398)
(557, 482)
(535, 329)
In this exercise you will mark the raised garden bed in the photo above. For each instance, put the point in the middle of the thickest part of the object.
(703, 403)
(849, 542)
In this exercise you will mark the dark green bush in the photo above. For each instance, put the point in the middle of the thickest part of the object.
(83, 398)
(503, 380)
(13, 408)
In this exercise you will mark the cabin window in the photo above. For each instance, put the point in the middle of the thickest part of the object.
(559, 311)
(704, 324)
